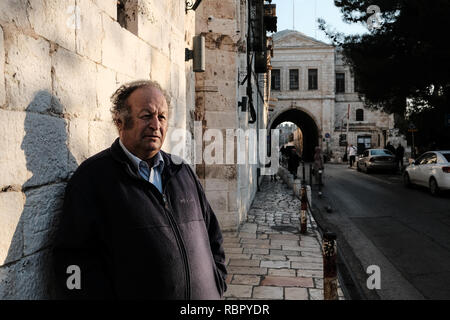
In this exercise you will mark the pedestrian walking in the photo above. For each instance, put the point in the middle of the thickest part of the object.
(351, 151)
(390, 147)
(318, 164)
(135, 221)
(293, 162)
(399, 154)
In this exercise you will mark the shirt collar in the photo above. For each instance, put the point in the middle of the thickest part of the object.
(159, 161)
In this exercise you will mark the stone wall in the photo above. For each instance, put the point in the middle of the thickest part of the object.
(231, 187)
(60, 60)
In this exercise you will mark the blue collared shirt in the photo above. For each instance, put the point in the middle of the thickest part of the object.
(152, 174)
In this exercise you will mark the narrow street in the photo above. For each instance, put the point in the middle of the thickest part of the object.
(268, 258)
(406, 232)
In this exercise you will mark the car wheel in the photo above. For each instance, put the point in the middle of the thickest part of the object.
(358, 167)
(367, 169)
(434, 188)
(406, 180)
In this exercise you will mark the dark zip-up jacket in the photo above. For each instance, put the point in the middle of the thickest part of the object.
(132, 242)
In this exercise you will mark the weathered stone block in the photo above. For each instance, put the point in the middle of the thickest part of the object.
(217, 200)
(31, 278)
(220, 9)
(287, 282)
(217, 184)
(55, 20)
(150, 23)
(123, 51)
(101, 136)
(227, 172)
(108, 6)
(89, 31)
(221, 120)
(11, 240)
(223, 100)
(37, 152)
(160, 65)
(221, 65)
(13, 11)
(282, 272)
(275, 264)
(246, 279)
(238, 291)
(74, 81)
(243, 262)
(266, 292)
(143, 60)
(315, 294)
(223, 26)
(296, 294)
(227, 221)
(106, 85)
(27, 72)
(2, 69)
(78, 142)
(40, 216)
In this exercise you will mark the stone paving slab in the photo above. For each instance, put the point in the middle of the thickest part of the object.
(268, 258)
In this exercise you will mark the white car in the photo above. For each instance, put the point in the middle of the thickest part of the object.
(431, 169)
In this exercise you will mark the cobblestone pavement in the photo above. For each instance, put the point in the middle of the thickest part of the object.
(268, 258)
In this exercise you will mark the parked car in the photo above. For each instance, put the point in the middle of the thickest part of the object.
(376, 159)
(431, 169)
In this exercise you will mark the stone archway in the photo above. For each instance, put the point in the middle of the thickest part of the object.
(306, 124)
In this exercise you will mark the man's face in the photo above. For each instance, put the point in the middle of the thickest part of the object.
(149, 117)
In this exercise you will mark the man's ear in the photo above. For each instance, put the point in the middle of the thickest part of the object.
(119, 124)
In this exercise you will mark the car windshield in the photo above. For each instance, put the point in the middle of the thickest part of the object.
(381, 153)
(447, 156)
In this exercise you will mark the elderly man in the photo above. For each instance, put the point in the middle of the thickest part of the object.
(136, 223)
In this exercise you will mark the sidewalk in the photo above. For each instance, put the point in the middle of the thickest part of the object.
(268, 258)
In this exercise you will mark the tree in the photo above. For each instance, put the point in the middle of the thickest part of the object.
(403, 66)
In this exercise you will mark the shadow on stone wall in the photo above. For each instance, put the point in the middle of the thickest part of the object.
(28, 271)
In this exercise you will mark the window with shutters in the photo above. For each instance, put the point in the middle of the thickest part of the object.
(312, 79)
(275, 79)
(359, 115)
(293, 79)
(340, 82)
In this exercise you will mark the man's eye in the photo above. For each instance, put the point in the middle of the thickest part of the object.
(162, 117)
(147, 116)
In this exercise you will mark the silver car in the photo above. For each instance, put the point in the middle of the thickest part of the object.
(376, 159)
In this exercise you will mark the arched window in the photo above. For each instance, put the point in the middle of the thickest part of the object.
(359, 115)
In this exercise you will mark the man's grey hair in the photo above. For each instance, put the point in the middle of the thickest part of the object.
(121, 109)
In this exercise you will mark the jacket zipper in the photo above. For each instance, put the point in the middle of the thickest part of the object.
(177, 232)
(181, 244)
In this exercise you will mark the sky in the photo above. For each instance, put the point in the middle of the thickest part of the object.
(306, 13)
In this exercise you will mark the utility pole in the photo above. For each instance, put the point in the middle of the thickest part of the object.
(293, 15)
(348, 120)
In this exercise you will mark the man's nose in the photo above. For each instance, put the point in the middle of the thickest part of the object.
(154, 123)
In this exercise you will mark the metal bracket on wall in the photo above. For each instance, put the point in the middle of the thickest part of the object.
(191, 5)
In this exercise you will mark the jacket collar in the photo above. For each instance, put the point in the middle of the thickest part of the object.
(170, 167)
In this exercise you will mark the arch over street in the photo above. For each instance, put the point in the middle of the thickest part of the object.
(307, 125)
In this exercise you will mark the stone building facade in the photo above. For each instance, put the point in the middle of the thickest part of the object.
(230, 187)
(314, 88)
(60, 61)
